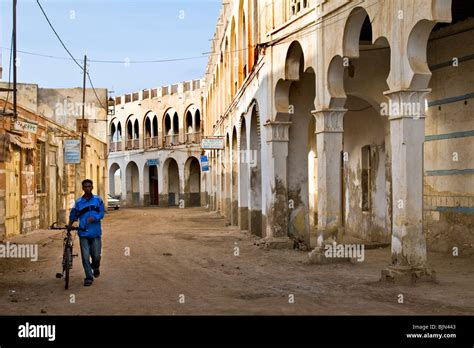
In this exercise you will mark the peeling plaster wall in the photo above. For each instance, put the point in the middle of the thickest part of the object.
(363, 128)
(27, 95)
(447, 153)
(302, 99)
(64, 106)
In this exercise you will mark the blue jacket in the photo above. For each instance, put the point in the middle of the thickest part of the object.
(85, 208)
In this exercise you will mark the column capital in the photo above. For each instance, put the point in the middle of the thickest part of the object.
(329, 120)
(405, 104)
(278, 131)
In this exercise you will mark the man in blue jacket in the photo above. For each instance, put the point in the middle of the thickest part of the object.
(89, 209)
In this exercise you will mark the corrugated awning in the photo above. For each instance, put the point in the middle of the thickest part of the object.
(22, 142)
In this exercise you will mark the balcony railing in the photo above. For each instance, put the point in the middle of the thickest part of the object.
(155, 143)
(151, 143)
(193, 138)
(115, 146)
(147, 143)
(171, 140)
(132, 144)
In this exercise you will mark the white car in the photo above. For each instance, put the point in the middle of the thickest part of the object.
(113, 202)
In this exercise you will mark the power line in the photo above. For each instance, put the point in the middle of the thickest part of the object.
(57, 35)
(70, 54)
(93, 88)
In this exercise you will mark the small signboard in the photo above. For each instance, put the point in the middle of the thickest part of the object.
(25, 126)
(212, 143)
(152, 162)
(72, 151)
(204, 164)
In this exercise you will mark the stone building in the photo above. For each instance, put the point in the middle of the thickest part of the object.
(345, 120)
(154, 147)
(37, 187)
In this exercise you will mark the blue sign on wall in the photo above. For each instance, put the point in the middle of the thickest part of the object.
(72, 151)
(152, 162)
(204, 164)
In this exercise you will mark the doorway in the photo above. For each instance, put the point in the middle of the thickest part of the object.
(12, 206)
(153, 179)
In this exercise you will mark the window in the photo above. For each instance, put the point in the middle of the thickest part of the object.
(297, 6)
(366, 178)
(40, 168)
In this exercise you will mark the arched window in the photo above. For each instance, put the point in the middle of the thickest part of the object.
(234, 65)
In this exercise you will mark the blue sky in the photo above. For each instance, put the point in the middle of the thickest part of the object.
(110, 30)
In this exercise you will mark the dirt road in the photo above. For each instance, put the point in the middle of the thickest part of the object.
(173, 261)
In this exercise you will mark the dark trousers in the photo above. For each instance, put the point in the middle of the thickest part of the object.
(90, 249)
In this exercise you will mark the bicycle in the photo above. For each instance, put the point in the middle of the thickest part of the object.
(68, 256)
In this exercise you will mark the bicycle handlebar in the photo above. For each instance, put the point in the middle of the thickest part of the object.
(54, 227)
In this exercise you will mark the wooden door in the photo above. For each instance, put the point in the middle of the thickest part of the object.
(12, 193)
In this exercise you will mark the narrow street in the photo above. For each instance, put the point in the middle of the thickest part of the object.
(190, 252)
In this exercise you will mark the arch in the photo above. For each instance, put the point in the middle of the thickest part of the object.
(136, 130)
(192, 189)
(227, 75)
(418, 41)
(364, 169)
(119, 131)
(113, 131)
(171, 127)
(115, 180)
(294, 66)
(234, 178)
(129, 127)
(147, 132)
(302, 94)
(245, 159)
(197, 121)
(234, 65)
(358, 28)
(171, 182)
(352, 31)
(336, 82)
(150, 185)
(227, 178)
(132, 184)
(255, 194)
(242, 44)
(294, 63)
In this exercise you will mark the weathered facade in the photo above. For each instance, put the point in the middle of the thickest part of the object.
(154, 147)
(37, 187)
(345, 119)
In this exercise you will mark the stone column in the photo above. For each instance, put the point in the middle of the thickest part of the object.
(329, 135)
(276, 234)
(407, 133)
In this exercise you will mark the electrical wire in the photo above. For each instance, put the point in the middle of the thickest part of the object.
(57, 35)
(70, 54)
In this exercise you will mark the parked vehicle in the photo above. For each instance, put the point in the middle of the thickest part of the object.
(113, 202)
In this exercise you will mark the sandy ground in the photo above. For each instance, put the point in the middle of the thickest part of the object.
(188, 255)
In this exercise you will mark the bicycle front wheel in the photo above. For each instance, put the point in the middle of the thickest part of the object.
(68, 262)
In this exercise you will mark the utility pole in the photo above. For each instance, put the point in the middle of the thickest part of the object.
(14, 65)
(14, 61)
(83, 107)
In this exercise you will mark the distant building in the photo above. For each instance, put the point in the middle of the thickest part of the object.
(37, 187)
(154, 146)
